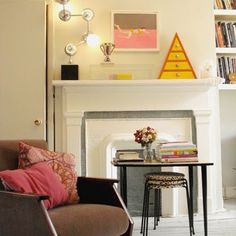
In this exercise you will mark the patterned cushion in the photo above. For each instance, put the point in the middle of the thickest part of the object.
(62, 164)
(38, 179)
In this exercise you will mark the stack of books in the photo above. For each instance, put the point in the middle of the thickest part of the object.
(128, 155)
(178, 152)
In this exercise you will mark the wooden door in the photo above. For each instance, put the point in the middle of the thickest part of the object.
(22, 69)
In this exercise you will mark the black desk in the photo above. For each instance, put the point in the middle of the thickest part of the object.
(123, 179)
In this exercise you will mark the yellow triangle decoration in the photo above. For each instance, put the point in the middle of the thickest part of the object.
(177, 64)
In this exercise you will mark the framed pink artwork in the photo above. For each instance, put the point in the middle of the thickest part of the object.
(135, 31)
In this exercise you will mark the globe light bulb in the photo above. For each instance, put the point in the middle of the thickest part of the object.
(93, 40)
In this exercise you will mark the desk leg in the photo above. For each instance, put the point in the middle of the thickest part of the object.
(190, 176)
(123, 184)
(204, 197)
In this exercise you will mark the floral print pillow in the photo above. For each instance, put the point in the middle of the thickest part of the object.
(63, 165)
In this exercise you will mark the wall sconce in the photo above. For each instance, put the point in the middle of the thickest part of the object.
(71, 71)
(87, 15)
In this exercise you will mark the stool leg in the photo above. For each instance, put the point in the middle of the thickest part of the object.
(189, 210)
(157, 203)
(160, 201)
(155, 208)
(144, 209)
(145, 233)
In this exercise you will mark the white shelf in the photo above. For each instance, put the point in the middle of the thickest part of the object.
(227, 86)
(225, 50)
(156, 84)
(220, 12)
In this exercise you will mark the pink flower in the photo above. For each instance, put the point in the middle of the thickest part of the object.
(145, 135)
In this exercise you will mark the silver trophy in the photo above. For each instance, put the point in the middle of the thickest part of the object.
(107, 49)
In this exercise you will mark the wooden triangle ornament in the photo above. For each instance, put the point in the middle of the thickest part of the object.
(177, 64)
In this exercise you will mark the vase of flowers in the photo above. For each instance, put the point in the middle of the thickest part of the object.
(145, 137)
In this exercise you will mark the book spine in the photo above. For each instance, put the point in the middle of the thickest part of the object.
(178, 152)
(220, 67)
(225, 34)
(178, 156)
(234, 32)
(178, 149)
(219, 35)
(194, 159)
(224, 5)
(220, 4)
(229, 32)
(223, 68)
(233, 4)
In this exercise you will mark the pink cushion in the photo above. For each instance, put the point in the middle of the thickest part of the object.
(37, 179)
(63, 164)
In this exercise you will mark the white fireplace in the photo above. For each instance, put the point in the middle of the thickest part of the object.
(93, 118)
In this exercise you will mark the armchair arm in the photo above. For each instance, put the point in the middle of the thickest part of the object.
(97, 190)
(102, 191)
(24, 214)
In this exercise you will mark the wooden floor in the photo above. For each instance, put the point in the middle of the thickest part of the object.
(219, 224)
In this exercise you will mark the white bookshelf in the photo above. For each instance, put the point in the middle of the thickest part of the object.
(224, 12)
(225, 15)
(227, 86)
(227, 98)
(225, 50)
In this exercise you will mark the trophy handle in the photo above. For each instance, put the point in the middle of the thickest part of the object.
(113, 47)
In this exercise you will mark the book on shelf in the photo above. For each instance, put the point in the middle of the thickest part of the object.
(226, 65)
(219, 35)
(225, 4)
(233, 4)
(225, 34)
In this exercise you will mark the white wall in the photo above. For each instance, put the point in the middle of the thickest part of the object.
(193, 20)
(228, 141)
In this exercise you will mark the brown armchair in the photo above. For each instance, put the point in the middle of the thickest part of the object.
(101, 211)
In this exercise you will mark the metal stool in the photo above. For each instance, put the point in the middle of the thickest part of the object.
(156, 181)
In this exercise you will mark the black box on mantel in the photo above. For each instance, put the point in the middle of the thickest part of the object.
(69, 72)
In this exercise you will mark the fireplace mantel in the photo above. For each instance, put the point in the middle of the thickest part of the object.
(195, 84)
(74, 99)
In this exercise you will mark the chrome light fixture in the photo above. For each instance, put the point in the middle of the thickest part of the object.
(87, 15)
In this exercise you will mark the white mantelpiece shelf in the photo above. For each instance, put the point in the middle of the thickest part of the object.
(201, 84)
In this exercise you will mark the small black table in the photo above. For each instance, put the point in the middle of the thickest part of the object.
(123, 179)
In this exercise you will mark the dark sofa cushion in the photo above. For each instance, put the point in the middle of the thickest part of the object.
(9, 152)
(2, 188)
(89, 220)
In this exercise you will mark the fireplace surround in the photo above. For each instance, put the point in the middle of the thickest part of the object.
(83, 106)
